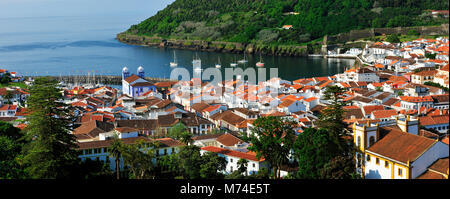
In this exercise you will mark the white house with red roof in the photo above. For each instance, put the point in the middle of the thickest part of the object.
(383, 115)
(8, 110)
(437, 122)
(414, 103)
(232, 157)
(358, 75)
(213, 109)
(442, 76)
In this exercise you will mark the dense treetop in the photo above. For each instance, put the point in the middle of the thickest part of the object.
(261, 20)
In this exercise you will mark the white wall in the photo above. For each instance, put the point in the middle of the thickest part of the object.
(437, 151)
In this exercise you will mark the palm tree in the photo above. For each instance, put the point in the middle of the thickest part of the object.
(242, 166)
(186, 138)
(9, 96)
(115, 150)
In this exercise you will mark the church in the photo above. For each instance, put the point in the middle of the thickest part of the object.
(135, 85)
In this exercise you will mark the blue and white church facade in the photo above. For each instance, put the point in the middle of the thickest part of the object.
(135, 85)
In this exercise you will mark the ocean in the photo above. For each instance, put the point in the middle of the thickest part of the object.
(76, 45)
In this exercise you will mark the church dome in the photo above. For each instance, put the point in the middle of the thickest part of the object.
(125, 69)
(140, 69)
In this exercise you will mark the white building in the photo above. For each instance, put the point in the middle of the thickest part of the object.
(232, 157)
(135, 85)
(98, 150)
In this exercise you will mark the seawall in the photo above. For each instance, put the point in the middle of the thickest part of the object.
(214, 46)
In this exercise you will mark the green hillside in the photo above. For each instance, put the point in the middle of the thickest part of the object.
(260, 21)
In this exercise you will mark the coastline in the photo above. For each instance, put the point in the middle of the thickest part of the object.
(216, 46)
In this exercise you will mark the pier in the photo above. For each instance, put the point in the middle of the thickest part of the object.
(99, 79)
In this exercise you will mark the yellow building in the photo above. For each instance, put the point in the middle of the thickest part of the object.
(394, 150)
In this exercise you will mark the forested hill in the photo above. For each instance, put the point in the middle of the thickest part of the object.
(261, 21)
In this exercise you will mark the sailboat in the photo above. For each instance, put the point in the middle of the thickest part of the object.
(197, 63)
(260, 63)
(234, 63)
(174, 63)
(243, 61)
(218, 64)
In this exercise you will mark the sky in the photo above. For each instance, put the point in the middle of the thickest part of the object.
(46, 8)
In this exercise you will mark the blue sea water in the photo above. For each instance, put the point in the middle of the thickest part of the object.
(78, 44)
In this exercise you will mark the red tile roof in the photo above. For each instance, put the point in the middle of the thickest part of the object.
(211, 108)
(228, 140)
(132, 78)
(169, 142)
(371, 108)
(416, 99)
(237, 154)
(434, 120)
(384, 113)
(426, 73)
(8, 107)
(401, 146)
(23, 112)
(441, 165)
(310, 99)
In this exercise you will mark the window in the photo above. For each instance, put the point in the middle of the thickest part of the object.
(386, 164)
(254, 165)
(371, 140)
(377, 161)
(231, 159)
(400, 172)
(368, 158)
(359, 141)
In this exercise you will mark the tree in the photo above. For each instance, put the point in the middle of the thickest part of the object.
(6, 78)
(94, 169)
(8, 130)
(115, 150)
(50, 151)
(177, 130)
(430, 55)
(10, 152)
(212, 163)
(311, 153)
(392, 38)
(339, 167)
(170, 165)
(331, 118)
(186, 138)
(139, 158)
(8, 96)
(242, 165)
(189, 162)
(10, 167)
(262, 174)
(272, 138)
(313, 149)
(413, 32)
